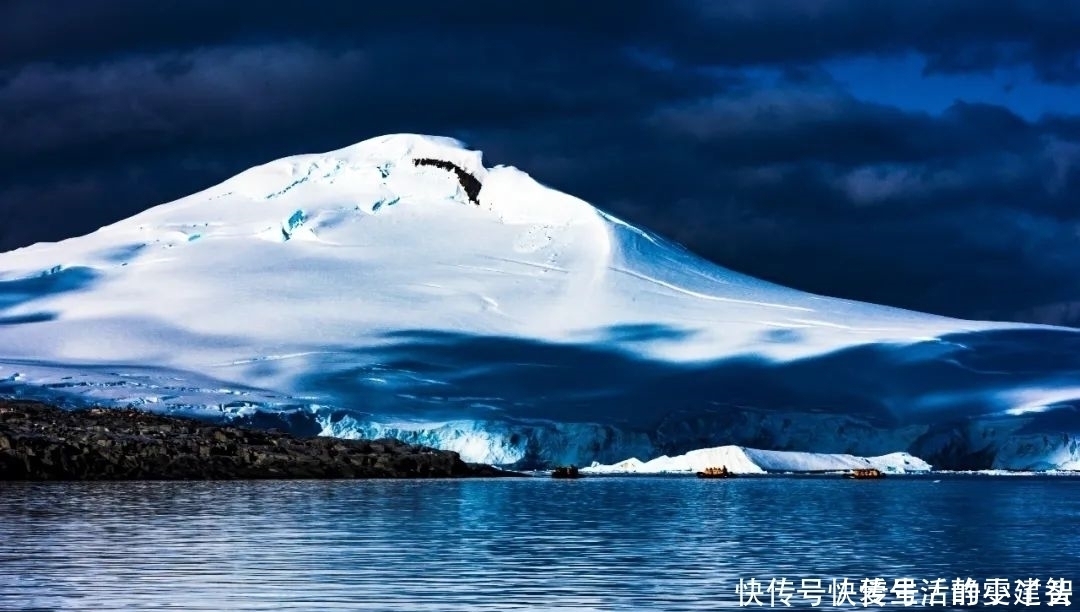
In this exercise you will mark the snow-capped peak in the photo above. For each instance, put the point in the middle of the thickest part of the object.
(400, 278)
(407, 167)
(410, 232)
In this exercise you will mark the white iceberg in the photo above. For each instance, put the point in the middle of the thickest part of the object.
(755, 461)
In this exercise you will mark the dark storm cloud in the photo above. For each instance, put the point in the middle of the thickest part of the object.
(325, 95)
(712, 122)
(957, 36)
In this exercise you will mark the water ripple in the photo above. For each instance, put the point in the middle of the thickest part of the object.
(596, 544)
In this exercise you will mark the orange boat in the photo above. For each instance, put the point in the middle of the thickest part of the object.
(716, 472)
(865, 474)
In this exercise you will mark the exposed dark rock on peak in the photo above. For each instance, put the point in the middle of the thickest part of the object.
(469, 183)
(40, 442)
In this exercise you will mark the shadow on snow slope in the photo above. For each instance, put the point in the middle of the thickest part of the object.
(944, 399)
(869, 399)
(17, 292)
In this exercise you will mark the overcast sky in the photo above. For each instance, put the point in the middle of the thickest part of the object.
(922, 154)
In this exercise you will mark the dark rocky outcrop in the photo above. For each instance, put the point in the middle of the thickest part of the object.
(469, 183)
(41, 442)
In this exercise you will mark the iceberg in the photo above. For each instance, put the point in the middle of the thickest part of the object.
(742, 460)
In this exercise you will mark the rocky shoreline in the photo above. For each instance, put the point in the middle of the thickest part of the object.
(42, 442)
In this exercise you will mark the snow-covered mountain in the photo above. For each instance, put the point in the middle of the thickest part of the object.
(399, 287)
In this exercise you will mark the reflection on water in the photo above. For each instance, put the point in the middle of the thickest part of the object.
(643, 543)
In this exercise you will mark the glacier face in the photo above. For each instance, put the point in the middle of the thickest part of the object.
(365, 293)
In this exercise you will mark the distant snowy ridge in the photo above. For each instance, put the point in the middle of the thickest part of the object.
(754, 461)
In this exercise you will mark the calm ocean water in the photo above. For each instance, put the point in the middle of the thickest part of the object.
(602, 543)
